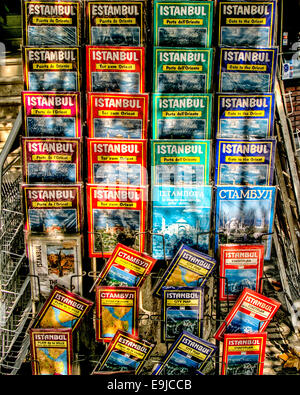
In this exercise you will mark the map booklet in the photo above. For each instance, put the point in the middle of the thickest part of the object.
(53, 160)
(186, 356)
(52, 23)
(51, 351)
(181, 23)
(243, 354)
(117, 162)
(116, 214)
(126, 267)
(241, 266)
(245, 214)
(54, 261)
(180, 215)
(246, 70)
(182, 70)
(182, 309)
(180, 162)
(117, 308)
(51, 114)
(245, 116)
(117, 23)
(181, 116)
(52, 69)
(245, 162)
(117, 115)
(188, 268)
(249, 24)
(252, 312)
(51, 208)
(115, 69)
(125, 353)
(62, 309)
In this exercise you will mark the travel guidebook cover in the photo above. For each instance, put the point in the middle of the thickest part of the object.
(241, 266)
(243, 354)
(51, 351)
(117, 308)
(246, 25)
(53, 208)
(180, 215)
(182, 309)
(52, 23)
(245, 162)
(181, 116)
(115, 69)
(245, 116)
(245, 214)
(246, 70)
(52, 69)
(116, 214)
(182, 70)
(252, 312)
(183, 24)
(125, 354)
(180, 162)
(117, 115)
(51, 114)
(117, 162)
(120, 24)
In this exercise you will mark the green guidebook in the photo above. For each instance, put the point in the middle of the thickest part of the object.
(182, 70)
(181, 115)
(183, 23)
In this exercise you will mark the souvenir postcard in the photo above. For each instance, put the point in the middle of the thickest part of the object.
(182, 70)
(52, 23)
(180, 215)
(117, 115)
(247, 70)
(54, 261)
(245, 214)
(181, 116)
(51, 351)
(51, 114)
(188, 268)
(186, 356)
(117, 308)
(246, 24)
(125, 353)
(62, 309)
(182, 309)
(180, 162)
(243, 354)
(115, 69)
(180, 23)
(53, 160)
(126, 267)
(52, 69)
(117, 162)
(245, 162)
(252, 312)
(245, 116)
(241, 266)
(117, 23)
(116, 214)
(53, 208)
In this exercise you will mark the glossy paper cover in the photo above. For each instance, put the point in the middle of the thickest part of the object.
(117, 162)
(115, 69)
(117, 115)
(115, 214)
(180, 23)
(245, 116)
(117, 308)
